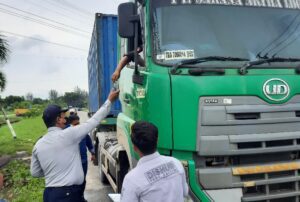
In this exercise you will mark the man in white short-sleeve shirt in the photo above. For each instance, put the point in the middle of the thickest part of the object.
(156, 177)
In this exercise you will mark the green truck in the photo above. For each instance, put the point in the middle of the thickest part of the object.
(222, 84)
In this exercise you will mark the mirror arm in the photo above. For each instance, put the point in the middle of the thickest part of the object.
(142, 2)
(136, 78)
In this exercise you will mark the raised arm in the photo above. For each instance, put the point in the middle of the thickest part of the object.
(123, 62)
(75, 134)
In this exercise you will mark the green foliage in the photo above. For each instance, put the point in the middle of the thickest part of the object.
(59, 101)
(19, 185)
(3, 58)
(38, 101)
(21, 105)
(53, 95)
(33, 112)
(77, 98)
(2, 81)
(10, 100)
(18, 102)
(71, 98)
(12, 119)
(36, 110)
(28, 131)
(3, 49)
(29, 96)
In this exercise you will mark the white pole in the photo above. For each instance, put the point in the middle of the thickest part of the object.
(9, 124)
(11, 129)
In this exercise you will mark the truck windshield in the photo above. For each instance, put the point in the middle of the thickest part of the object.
(251, 29)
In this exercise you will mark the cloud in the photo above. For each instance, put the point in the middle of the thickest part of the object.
(27, 44)
(50, 66)
(37, 67)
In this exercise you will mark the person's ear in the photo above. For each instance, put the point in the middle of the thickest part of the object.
(135, 148)
(57, 119)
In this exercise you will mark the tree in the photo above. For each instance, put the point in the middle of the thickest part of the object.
(72, 99)
(78, 98)
(37, 101)
(53, 95)
(3, 49)
(3, 58)
(9, 100)
(29, 96)
(83, 96)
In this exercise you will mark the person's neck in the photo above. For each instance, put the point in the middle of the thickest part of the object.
(142, 155)
(59, 126)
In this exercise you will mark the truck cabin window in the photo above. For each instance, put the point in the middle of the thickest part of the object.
(248, 29)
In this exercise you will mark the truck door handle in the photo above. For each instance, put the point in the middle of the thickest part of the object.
(126, 100)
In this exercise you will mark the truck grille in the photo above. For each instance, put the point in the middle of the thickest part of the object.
(276, 186)
(268, 144)
(253, 146)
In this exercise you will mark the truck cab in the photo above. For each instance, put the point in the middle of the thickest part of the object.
(221, 83)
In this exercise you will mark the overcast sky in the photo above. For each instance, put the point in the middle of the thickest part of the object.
(37, 67)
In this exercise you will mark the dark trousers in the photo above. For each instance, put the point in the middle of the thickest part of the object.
(84, 167)
(63, 194)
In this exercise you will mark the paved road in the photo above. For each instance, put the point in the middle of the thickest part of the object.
(95, 191)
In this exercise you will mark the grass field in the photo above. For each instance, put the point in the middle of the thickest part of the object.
(28, 130)
(19, 185)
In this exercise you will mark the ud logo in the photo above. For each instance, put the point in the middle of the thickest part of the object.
(276, 89)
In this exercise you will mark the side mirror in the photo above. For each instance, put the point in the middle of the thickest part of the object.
(126, 14)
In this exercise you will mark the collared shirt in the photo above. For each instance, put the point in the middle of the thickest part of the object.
(56, 155)
(155, 178)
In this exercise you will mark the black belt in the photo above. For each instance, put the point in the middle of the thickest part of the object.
(65, 187)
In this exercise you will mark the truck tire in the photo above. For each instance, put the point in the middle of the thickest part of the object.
(95, 162)
(124, 167)
(102, 176)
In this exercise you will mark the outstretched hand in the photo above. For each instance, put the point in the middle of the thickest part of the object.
(113, 95)
(93, 157)
(115, 76)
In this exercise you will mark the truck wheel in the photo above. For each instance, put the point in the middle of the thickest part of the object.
(124, 167)
(102, 176)
(95, 162)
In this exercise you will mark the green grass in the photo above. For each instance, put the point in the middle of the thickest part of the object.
(12, 119)
(19, 185)
(9, 115)
(28, 131)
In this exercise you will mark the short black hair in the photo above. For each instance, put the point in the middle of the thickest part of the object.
(144, 136)
(73, 117)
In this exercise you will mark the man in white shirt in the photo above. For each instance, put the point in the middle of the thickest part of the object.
(56, 155)
(155, 178)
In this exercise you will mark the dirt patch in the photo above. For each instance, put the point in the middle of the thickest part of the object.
(4, 160)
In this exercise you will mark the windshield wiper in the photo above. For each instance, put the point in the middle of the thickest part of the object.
(243, 69)
(178, 65)
(209, 71)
